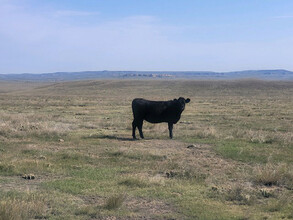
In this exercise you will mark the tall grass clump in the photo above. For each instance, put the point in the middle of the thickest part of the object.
(272, 174)
(26, 206)
(114, 202)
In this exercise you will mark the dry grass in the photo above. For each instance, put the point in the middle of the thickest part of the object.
(28, 125)
(271, 174)
(266, 137)
(76, 138)
(26, 206)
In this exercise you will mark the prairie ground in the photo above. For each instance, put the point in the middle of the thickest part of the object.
(66, 151)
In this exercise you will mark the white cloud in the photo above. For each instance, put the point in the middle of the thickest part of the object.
(39, 43)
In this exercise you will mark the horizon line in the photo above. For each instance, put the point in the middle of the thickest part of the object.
(210, 71)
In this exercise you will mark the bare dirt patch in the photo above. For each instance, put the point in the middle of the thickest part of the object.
(147, 208)
(200, 158)
(140, 208)
(18, 183)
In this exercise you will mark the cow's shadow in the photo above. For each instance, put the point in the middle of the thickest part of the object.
(113, 137)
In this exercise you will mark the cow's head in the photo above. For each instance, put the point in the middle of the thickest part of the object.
(182, 102)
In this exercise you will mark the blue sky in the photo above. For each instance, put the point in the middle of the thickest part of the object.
(40, 36)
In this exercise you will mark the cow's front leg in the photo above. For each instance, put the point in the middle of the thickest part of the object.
(170, 126)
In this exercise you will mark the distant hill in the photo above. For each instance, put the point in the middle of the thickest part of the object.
(72, 76)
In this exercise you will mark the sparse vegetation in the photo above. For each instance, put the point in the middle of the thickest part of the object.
(75, 139)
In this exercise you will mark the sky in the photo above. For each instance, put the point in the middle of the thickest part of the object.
(42, 36)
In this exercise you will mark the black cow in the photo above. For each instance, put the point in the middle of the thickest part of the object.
(156, 112)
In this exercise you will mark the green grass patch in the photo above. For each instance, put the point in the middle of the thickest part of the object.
(132, 182)
(99, 174)
(86, 180)
(243, 151)
(72, 186)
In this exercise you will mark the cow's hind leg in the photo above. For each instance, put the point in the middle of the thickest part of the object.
(134, 125)
(170, 126)
(140, 128)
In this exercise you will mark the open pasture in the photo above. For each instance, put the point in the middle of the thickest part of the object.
(231, 156)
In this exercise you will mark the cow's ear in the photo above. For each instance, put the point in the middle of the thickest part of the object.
(187, 100)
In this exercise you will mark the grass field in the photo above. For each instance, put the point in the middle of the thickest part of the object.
(74, 138)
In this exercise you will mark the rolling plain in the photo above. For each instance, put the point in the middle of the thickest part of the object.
(66, 151)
